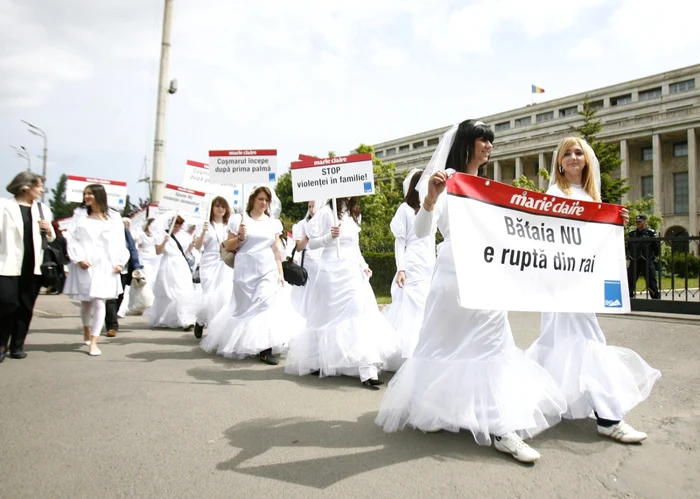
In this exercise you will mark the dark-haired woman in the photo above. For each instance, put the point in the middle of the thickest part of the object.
(415, 260)
(215, 276)
(97, 251)
(345, 333)
(466, 371)
(260, 319)
(174, 303)
(21, 255)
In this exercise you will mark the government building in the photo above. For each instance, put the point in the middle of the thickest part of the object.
(653, 120)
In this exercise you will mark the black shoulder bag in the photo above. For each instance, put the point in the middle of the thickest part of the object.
(295, 274)
(50, 271)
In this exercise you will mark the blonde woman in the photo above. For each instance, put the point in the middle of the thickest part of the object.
(598, 380)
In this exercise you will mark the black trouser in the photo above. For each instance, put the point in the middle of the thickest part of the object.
(644, 268)
(17, 297)
(112, 307)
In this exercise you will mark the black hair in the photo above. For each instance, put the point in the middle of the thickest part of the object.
(412, 198)
(98, 191)
(352, 205)
(463, 145)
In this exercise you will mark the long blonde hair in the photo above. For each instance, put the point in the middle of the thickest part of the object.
(587, 175)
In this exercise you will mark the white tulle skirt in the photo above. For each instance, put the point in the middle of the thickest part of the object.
(300, 294)
(467, 373)
(269, 322)
(174, 303)
(592, 375)
(217, 289)
(344, 328)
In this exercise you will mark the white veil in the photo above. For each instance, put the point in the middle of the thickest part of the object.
(437, 161)
(596, 165)
(407, 181)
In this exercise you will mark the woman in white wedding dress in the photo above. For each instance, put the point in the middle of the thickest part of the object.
(466, 371)
(260, 319)
(215, 276)
(415, 260)
(345, 333)
(598, 380)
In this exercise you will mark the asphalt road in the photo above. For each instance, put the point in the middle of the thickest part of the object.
(156, 417)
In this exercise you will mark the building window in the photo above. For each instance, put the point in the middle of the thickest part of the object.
(680, 193)
(523, 121)
(620, 100)
(681, 86)
(647, 153)
(502, 126)
(652, 93)
(433, 142)
(648, 186)
(680, 149)
(545, 116)
(391, 152)
(418, 145)
(403, 148)
(568, 111)
(597, 104)
(379, 154)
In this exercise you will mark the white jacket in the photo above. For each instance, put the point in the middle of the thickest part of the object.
(12, 236)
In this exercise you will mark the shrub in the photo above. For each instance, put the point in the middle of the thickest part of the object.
(383, 268)
(678, 265)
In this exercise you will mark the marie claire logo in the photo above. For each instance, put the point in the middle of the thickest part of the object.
(548, 204)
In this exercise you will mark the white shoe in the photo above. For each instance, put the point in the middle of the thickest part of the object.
(87, 342)
(95, 352)
(622, 432)
(510, 443)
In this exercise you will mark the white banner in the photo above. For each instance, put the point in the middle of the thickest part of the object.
(528, 251)
(154, 211)
(115, 189)
(248, 166)
(339, 177)
(138, 220)
(197, 178)
(183, 200)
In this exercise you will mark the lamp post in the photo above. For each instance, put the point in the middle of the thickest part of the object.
(38, 131)
(22, 153)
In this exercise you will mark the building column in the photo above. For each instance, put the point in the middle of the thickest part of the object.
(692, 184)
(541, 165)
(497, 176)
(625, 165)
(518, 167)
(656, 171)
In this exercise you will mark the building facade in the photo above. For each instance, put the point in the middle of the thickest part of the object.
(653, 121)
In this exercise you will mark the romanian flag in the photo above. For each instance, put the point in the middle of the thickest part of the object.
(537, 90)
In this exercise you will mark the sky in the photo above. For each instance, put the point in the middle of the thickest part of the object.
(308, 76)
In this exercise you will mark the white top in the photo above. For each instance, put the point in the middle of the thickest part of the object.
(319, 233)
(216, 234)
(402, 226)
(577, 192)
(12, 236)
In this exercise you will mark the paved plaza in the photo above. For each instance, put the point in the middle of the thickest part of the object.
(156, 417)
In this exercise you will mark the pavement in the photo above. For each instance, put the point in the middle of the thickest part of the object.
(156, 417)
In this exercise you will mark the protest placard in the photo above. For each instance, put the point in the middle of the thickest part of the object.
(244, 166)
(528, 251)
(339, 177)
(182, 200)
(197, 178)
(115, 189)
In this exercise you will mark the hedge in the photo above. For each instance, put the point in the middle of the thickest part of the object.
(383, 268)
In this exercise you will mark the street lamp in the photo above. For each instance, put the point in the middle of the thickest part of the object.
(22, 153)
(38, 131)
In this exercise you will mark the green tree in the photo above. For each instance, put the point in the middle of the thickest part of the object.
(643, 206)
(525, 183)
(59, 206)
(129, 209)
(611, 188)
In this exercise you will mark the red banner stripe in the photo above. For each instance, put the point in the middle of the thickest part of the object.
(506, 196)
(197, 164)
(184, 189)
(93, 180)
(337, 161)
(244, 152)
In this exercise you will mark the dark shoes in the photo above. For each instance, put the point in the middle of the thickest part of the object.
(267, 357)
(19, 354)
(198, 330)
(373, 384)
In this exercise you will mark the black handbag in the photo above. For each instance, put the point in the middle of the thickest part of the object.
(50, 268)
(295, 274)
